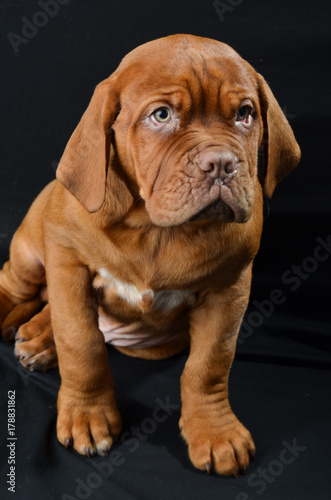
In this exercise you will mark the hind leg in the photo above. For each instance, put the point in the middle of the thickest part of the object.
(24, 273)
(35, 347)
(19, 315)
(22, 277)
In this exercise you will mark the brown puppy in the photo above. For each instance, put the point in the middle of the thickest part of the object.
(147, 239)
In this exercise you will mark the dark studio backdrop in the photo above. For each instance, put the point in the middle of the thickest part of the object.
(53, 54)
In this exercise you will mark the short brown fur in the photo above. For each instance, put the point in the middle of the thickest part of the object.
(163, 208)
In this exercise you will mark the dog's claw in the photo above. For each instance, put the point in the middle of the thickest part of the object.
(236, 473)
(103, 452)
(87, 452)
(245, 469)
(68, 443)
(208, 467)
(252, 456)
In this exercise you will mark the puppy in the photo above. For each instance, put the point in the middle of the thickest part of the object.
(146, 240)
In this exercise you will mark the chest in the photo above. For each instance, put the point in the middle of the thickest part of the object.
(161, 270)
(141, 296)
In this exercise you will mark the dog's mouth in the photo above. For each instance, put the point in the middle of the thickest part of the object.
(216, 210)
(228, 207)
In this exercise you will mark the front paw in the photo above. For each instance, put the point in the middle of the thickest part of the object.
(221, 445)
(89, 424)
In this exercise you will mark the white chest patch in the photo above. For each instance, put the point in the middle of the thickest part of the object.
(146, 298)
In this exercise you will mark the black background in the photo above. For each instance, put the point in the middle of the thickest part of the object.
(280, 381)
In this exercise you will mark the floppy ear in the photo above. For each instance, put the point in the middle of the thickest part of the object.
(281, 152)
(83, 166)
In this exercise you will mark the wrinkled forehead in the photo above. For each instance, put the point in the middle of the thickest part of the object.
(194, 63)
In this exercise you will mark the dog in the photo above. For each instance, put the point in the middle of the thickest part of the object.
(146, 240)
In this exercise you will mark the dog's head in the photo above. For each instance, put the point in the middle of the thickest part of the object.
(179, 125)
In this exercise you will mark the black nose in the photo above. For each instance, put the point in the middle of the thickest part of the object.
(218, 163)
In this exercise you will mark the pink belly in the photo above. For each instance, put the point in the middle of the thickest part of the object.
(135, 335)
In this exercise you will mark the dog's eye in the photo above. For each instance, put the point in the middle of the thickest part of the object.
(244, 115)
(162, 115)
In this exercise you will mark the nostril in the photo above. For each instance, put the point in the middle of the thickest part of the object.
(229, 168)
(210, 163)
(207, 166)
